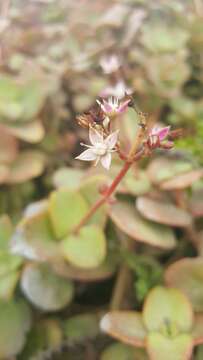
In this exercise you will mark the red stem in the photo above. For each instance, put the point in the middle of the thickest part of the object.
(103, 199)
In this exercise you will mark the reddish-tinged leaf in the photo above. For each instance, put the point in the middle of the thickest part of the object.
(163, 212)
(126, 326)
(32, 132)
(162, 169)
(127, 218)
(197, 330)
(8, 146)
(28, 165)
(182, 181)
(104, 271)
(187, 275)
(196, 203)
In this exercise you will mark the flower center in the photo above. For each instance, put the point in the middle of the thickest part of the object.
(100, 149)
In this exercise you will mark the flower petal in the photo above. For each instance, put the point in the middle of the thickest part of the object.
(107, 106)
(123, 106)
(106, 161)
(87, 155)
(160, 132)
(111, 140)
(94, 136)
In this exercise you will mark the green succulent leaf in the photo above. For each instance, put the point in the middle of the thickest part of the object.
(87, 249)
(187, 275)
(127, 218)
(179, 348)
(66, 209)
(80, 328)
(8, 284)
(45, 289)
(32, 132)
(21, 170)
(126, 326)
(6, 230)
(197, 330)
(163, 212)
(101, 272)
(44, 337)
(162, 169)
(20, 101)
(120, 351)
(68, 177)
(14, 324)
(34, 238)
(90, 191)
(9, 262)
(158, 37)
(168, 311)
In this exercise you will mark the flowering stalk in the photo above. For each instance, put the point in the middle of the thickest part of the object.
(132, 156)
(103, 143)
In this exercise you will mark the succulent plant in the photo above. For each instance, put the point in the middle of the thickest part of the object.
(166, 325)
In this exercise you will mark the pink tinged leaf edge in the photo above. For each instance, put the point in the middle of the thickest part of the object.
(197, 330)
(106, 161)
(87, 155)
(109, 325)
(94, 136)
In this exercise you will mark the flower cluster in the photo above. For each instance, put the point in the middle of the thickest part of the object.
(157, 138)
(103, 142)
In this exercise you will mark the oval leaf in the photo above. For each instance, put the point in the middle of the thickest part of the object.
(28, 165)
(68, 177)
(66, 209)
(127, 218)
(179, 348)
(45, 289)
(14, 324)
(182, 181)
(187, 275)
(120, 351)
(126, 326)
(86, 249)
(80, 328)
(34, 238)
(102, 272)
(167, 307)
(163, 212)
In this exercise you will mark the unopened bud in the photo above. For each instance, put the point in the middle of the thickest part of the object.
(167, 145)
(175, 134)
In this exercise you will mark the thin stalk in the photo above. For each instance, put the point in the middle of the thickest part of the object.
(121, 284)
(132, 156)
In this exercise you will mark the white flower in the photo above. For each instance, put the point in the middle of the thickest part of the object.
(119, 90)
(110, 63)
(101, 148)
(113, 106)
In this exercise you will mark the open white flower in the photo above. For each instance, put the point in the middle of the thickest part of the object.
(119, 90)
(101, 148)
(110, 63)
